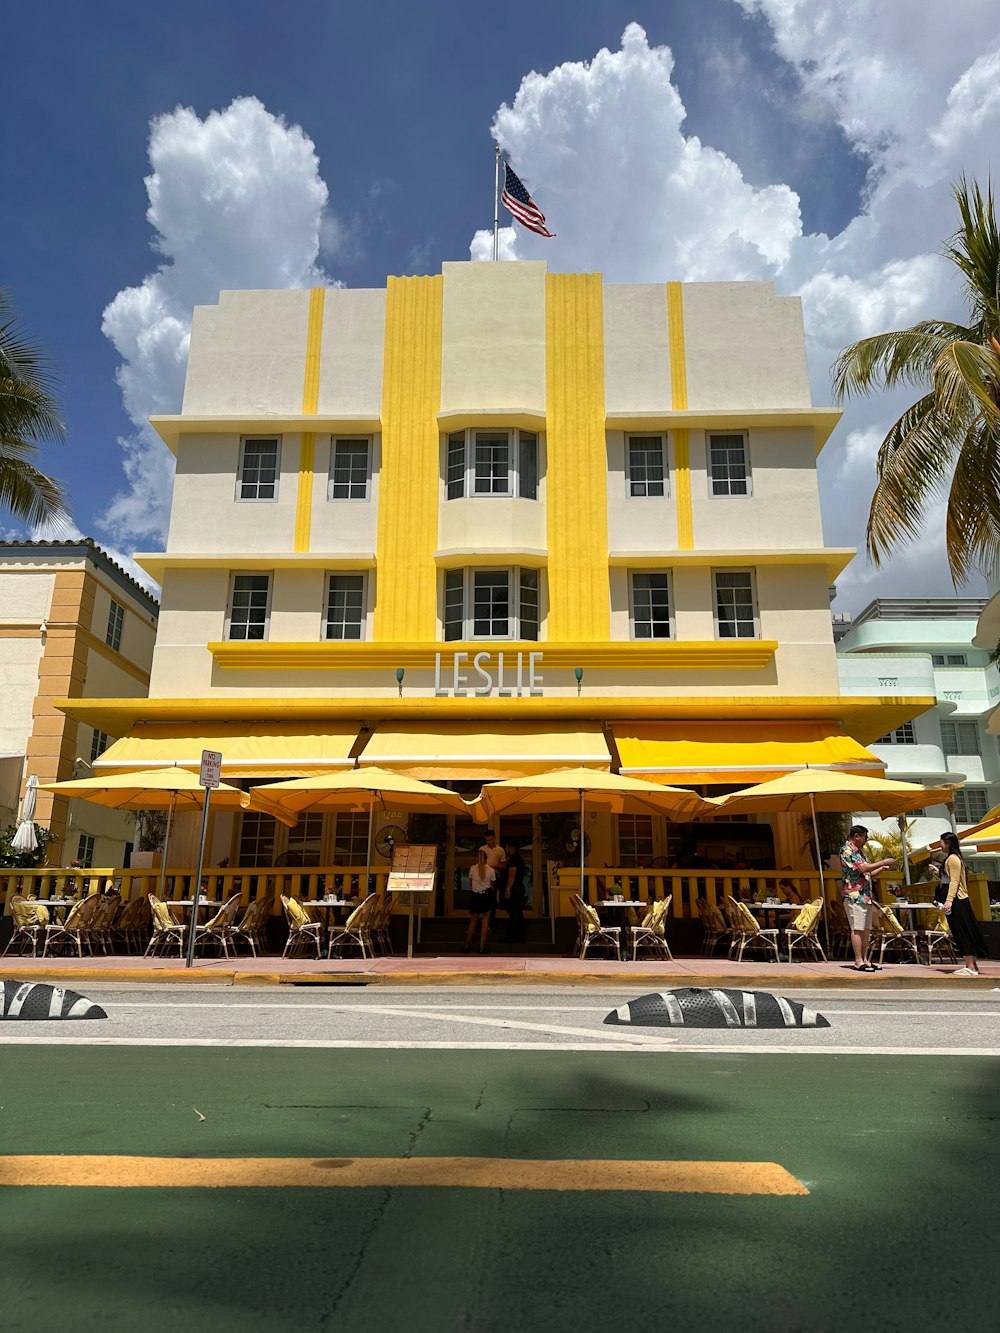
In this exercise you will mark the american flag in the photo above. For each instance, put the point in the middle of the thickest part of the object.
(516, 198)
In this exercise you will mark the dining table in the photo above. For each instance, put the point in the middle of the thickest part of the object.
(621, 905)
(327, 905)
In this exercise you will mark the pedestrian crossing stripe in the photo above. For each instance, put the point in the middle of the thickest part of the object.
(508, 1173)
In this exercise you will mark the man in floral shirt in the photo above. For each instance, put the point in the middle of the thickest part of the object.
(856, 893)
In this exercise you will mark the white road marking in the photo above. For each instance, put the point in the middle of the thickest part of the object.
(292, 1005)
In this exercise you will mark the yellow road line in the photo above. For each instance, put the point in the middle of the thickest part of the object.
(392, 1172)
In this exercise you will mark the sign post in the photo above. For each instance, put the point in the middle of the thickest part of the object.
(211, 765)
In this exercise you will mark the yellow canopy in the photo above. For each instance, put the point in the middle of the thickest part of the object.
(486, 750)
(163, 788)
(249, 749)
(359, 789)
(985, 834)
(611, 792)
(728, 752)
(820, 791)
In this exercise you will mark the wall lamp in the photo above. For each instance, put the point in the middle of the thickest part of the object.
(578, 673)
(400, 673)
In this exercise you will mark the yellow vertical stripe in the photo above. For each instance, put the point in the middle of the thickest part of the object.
(576, 479)
(679, 402)
(409, 484)
(310, 405)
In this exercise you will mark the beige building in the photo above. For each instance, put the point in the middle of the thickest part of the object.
(73, 625)
(494, 520)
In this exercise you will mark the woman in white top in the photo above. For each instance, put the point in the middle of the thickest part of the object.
(482, 877)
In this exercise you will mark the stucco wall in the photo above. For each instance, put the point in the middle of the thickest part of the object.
(248, 354)
(636, 348)
(206, 515)
(350, 377)
(493, 336)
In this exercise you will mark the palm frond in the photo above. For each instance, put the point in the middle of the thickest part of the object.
(28, 493)
(974, 249)
(906, 356)
(28, 400)
(967, 378)
(914, 462)
(972, 529)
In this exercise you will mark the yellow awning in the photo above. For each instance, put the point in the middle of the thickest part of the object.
(471, 751)
(249, 749)
(736, 752)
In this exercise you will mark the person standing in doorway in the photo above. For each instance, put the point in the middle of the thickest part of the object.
(514, 872)
(482, 878)
(496, 860)
(856, 891)
(953, 894)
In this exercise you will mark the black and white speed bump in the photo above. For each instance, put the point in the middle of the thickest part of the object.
(34, 1000)
(692, 1007)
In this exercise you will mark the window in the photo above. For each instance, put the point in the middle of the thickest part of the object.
(116, 620)
(350, 469)
(651, 606)
(971, 805)
(85, 851)
(903, 735)
(949, 659)
(256, 839)
(249, 604)
(258, 478)
(735, 617)
(345, 607)
(350, 844)
(635, 840)
(728, 465)
(491, 604)
(99, 742)
(644, 460)
(305, 841)
(960, 738)
(491, 462)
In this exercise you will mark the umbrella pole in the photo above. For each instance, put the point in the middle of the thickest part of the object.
(166, 845)
(583, 846)
(819, 865)
(368, 853)
(906, 855)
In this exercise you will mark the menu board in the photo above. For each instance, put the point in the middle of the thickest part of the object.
(413, 868)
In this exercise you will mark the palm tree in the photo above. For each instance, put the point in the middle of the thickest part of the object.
(28, 413)
(948, 441)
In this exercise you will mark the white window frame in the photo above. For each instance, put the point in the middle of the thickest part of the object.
(621, 859)
(901, 735)
(255, 574)
(633, 574)
(99, 742)
(514, 479)
(966, 815)
(966, 725)
(513, 574)
(85, 850)
(258, 820)
(730, 638)
(727, 494)
(366, 440)
(116, 626)
(259, 499)
(361, 574)
(664, 460)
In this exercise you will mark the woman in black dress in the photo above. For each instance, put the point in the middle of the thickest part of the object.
(953, 894)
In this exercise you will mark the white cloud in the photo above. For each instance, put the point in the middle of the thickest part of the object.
(914, 88)
(236, 200)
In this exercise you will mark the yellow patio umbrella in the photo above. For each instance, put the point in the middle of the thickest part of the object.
(574, 788)
(824, 791)
(164, 789)
(986, 833)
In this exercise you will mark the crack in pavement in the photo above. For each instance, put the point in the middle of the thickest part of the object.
(365, 1239)
(422, 1124)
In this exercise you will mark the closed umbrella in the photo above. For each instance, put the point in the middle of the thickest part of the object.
(24, 840)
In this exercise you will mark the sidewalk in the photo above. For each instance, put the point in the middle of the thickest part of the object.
(491, 969)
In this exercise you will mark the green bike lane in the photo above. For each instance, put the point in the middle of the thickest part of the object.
(899, 1153)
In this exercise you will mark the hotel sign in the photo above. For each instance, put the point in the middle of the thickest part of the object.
(510, 675)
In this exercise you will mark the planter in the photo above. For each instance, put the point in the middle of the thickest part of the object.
(145, 861)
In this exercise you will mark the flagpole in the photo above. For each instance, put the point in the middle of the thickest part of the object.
(496, 207)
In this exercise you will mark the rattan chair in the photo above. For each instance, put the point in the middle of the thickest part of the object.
(651, 933)
(99, 932)
(166, 928)
(713, 924)
(935, 935)
(30, 920)
(219, 930)
(251, 928)
(838, 929)
(356, 932)
(76, 928)
(748, 933)
(381, 922)
(804, 930)
(887, 933)
(593, 930)
(132, 927)
(302, 929)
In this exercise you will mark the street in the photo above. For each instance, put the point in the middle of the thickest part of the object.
(879, 1132)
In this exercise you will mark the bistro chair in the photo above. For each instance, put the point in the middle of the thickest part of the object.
(748, 933)
(838, 930)
(713, 924)
(133, 925)
(651, 933)
(77, 925)
(302, 929)
(219, 930)
(103, 921)
(252, 927)
(356, 932)
(166, 928)
(804, 930)
(887, 933)
(936, 934)
(381, 922)
(30, 920)
(593, 930)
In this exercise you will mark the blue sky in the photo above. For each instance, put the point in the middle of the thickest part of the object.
(398, 101)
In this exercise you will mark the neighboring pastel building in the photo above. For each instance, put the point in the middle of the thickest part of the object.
(493, 521)
(73, 625)
(930, 646)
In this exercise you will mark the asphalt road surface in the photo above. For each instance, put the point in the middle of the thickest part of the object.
(479, 1160)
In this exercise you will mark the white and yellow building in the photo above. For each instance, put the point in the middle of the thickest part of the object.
(492, 521)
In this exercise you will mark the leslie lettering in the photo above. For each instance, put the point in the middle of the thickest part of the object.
(480, 676)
